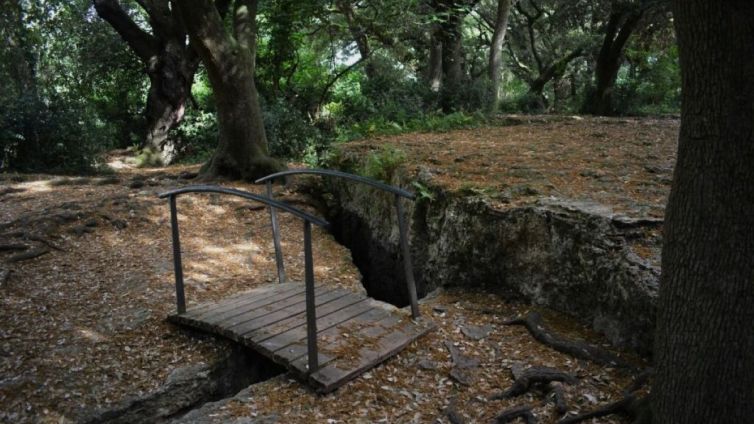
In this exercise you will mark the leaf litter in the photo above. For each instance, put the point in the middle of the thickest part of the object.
(83, 327)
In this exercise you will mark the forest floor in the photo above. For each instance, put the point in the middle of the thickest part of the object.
(82, 325)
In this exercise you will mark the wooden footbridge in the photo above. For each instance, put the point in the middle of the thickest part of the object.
(323, 335)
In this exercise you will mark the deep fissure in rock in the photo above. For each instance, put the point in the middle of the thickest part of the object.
(380, 265)
(190, 387)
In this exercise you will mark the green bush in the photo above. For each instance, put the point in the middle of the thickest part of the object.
(196, 136)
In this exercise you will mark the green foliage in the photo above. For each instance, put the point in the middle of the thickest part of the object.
(383, 163)
(64, 101)
(423, 192)
(650, 83)
(198, 136)
(289, 132)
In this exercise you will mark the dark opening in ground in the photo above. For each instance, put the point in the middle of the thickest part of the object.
(191, 387)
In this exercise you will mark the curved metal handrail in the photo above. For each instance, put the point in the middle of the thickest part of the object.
(246, 195)
(358, 178)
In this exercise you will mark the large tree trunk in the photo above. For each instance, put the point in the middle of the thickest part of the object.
(496, 49)
(230, 62)
(170, 65)
(620, 26)
(704, 348)
(170, 79)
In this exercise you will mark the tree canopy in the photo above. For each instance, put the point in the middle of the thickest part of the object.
(324, 71)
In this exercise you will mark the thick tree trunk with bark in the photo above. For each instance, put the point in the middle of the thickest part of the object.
(170, 64)
(230, 62)
(621, 24)
(170, 88)
(704, 348)
(496, 48)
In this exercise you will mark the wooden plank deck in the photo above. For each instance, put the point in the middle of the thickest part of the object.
(355, 332)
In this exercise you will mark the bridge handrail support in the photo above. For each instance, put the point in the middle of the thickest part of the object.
(311, 314)
(402, 227)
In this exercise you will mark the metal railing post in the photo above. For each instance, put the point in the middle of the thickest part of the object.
(180, 296)
(276, 237)
(311, 314)
(407, 265)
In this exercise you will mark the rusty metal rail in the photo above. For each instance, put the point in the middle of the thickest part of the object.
(311, 317)
(397, 192)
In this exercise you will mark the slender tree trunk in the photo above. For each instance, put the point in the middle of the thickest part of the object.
(621, 25)
(358, 33)
(496, 49)
(704, 346)
(230, 62)
(434, 71)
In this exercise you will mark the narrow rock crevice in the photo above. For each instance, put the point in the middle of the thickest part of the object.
(190, 387)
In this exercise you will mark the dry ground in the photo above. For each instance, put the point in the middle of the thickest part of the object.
(83, 326)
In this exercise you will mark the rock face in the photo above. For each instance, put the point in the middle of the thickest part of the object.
(569, 256)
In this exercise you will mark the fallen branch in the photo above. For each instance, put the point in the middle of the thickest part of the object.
(532, 376)
(517, 412)
(30, 254)
(533, 322)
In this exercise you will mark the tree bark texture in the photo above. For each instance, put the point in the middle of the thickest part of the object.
(496, 48)
(230, 62)
(621, 24)
(704, 347)
(170, 64)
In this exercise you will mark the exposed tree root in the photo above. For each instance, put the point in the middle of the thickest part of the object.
(637, 408)
(12, 247)
(46, 242)
(633, 406)
(533, 322)
(556, 390)
(517, 412)
(29, 254)
(532, 376)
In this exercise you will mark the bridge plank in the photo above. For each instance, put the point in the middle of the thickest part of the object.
(258, 296)
(354, 332)
(282, 302)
